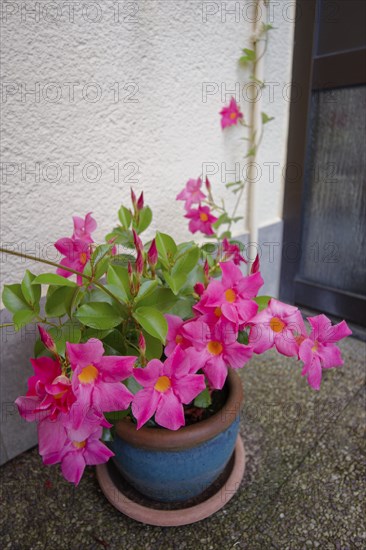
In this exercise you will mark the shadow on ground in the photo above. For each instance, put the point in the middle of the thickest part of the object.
(303, 485)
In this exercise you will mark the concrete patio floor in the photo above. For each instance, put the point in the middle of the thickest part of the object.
(303, 486)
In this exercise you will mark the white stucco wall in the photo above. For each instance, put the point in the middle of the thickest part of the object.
(167, 52)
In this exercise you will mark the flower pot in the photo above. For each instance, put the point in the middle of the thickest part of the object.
(176, 466)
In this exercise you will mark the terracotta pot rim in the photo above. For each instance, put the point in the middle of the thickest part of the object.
(161, 439)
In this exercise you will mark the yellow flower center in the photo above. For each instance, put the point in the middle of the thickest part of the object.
(83, 258)
(79, 444)
(315, 346)
(178, 339)
(233, 116)
(88, 374)
(203, 217)
(217, 311)
(276, 324)
(230, 295)
(215, 348)
(162, 384)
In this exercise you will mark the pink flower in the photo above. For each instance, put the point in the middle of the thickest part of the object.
(201, 220)
(96, 379)
(232, 252)
(175, 335)
(318, 350)
(233, 294)
(84, 227)
(166, 387)
(191, 193)
(216, 349)
(49, 391)
(278, 325)
(73, 447)
(77, 254)
(230, 114)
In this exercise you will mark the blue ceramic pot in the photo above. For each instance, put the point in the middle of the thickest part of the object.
(174, 466)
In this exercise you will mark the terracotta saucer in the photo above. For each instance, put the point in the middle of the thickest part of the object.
(131, 503)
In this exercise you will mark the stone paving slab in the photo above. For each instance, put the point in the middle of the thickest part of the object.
(303, 486)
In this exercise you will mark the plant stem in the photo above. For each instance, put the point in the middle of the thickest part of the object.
(69, 269)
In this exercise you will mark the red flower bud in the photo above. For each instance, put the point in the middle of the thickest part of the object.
(255, 266)
(133, 198)
(137, 241)
(199, 288)
(152, 254)
(142, 343)
(140, 202)
(47, 340)
(139, 263)
(208, 184)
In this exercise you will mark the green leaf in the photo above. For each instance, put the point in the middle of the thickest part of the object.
(69, 332)
(266, 118)
(32, 293)
(145, 218)
(122, 259)
(183, 307)
(117, 415)
(224, 218)
(23, 317)
(132, 385)
(226, 235)
(175, 281)
(262, 301)
(166, 246)
(125, 217)
(163, 299)
(243, 337)
(250, 153)
(186, 262)
(59, 300)
(153, 321)
(146, 289)
(52, 279)
(114, 343)
(154, 348)
(118, 276)
(249, 53)
(98, 315)
(203, 399)
(107, 434)
(14, 299)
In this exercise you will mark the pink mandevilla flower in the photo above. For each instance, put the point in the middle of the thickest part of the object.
(166, 387)
(201, 219)
(216, 349)
(318, 351)
(73, 447)
(278, 325)
(175, 335)
(232, 252)
(77, 254)
(84, 227)
(96, 379)
(49, 391)
(191, 193)
(231, 114)
(232, 295)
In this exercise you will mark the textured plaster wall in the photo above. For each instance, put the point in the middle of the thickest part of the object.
(158, 128)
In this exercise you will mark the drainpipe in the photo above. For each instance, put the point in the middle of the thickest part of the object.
(255, 122)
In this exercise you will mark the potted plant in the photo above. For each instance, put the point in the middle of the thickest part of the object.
(136, 359)
(139, 347)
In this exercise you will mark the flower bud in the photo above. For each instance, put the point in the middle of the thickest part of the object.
(137, 241)
(208, 184)
(199, 288)
(140, 202)
(255, 265)
(142, 344)
(139, 263)
(133, 199)
(152, 254)
(47, 340)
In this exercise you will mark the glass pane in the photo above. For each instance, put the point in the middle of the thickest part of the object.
(334, 226)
